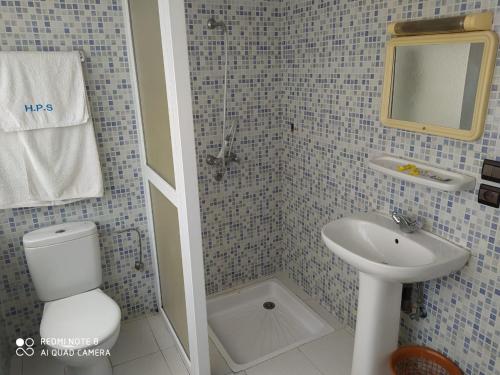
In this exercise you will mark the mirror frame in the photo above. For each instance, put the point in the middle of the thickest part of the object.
(490, 40)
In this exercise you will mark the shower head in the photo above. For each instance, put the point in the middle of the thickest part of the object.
(214, 24)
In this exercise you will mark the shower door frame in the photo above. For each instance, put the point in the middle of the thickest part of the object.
(185, 194)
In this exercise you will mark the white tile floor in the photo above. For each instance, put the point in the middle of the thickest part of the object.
(145, 347)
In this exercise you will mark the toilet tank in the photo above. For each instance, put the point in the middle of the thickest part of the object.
(64, 259)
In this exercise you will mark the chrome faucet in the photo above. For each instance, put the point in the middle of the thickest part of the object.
(407, 224)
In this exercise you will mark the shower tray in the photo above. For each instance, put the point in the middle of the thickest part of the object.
(259, 322)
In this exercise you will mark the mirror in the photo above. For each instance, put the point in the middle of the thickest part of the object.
(436, 83)
(439, 84)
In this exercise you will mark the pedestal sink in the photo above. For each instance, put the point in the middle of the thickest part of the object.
(386, 258)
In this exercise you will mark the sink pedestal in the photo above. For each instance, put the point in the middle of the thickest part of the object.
(381, 251)
(377, 325)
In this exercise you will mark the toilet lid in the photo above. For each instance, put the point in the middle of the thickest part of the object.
(80, 321)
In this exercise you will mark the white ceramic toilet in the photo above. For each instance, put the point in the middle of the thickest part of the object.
(80, 323)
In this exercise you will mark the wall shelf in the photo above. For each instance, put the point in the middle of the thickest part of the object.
(433, 177)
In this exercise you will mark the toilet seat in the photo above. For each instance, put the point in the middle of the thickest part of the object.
(74, 322)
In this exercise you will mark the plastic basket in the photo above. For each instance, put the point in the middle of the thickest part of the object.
(419, 360)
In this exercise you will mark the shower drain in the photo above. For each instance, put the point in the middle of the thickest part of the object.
(269, 305)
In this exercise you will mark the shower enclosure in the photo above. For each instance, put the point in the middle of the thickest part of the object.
(234, 107)
(163, 103)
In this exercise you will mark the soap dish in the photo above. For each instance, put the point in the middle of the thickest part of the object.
(430, 176)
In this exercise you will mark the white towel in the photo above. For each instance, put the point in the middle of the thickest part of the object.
(41, 90)
(49, 166)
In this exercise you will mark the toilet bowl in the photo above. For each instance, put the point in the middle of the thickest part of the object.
(81, 330)
(80, 323)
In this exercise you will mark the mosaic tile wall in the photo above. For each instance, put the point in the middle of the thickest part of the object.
(240, 214)
(5, 351)
(333, 54)
(291, 183)
(97, 28)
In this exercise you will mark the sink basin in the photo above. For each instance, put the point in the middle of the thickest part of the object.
(374, 244)
(386, 258)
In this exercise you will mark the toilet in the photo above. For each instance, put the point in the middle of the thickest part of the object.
(80, 323)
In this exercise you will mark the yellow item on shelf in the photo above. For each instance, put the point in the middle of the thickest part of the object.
(411, 168)
(405, 167)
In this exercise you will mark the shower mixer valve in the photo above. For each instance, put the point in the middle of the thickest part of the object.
(221, 162)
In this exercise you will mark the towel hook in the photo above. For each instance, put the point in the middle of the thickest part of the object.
(82, 56)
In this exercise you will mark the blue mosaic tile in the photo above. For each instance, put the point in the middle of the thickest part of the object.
(318, 64)
(333, 54)
(240, 214)
(97, 28)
